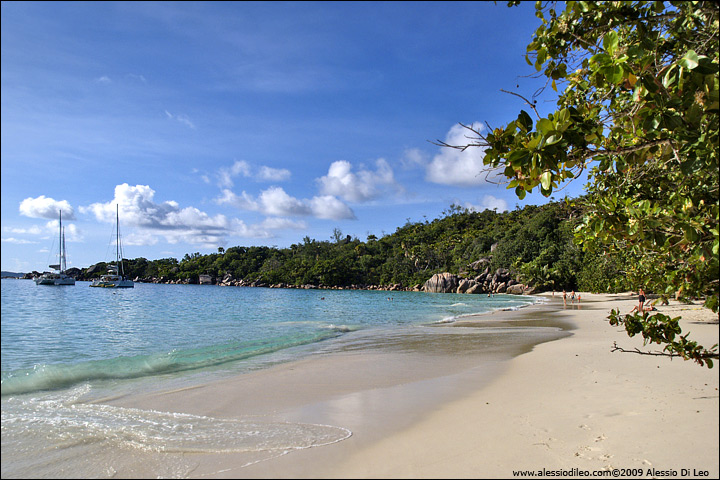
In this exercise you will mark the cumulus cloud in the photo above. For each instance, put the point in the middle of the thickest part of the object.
(138, 208)
(360, 187)
(276, 223)
(33, 230)
(330, 208)
(17, 241)
(243, 201)
(226, 175)
(45, 207)
(489, 202)
(276, 202)
(72, 234)
(241, 167)
(456, 167)
(413, 158)
(273, 174)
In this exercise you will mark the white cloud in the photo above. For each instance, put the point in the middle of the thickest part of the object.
(182, 118)
(331, 208)
(413, 158)
(137, 208)
(143, 238)
(456, 167)
(226, 175)
(72, 234)
(242, 201)
(273, 174)
(17, 241)
(33, 230)
(363, 186)
(241, 167)
(489, 202)
(134, 76)
(276, 223)
(45, 207)
(276, 202)
(261, 230)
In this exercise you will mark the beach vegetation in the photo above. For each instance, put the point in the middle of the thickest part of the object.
(534, 242)
(636, 86)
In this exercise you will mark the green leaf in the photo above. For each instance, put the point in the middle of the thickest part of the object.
(601, 59)
(648, 81)
(690, 60)
(525, 120)
(610, 42)
(563, 116)
(553, 137)
(546, 180)
(706, 67)
(613, 74)
(518, 158)
(533, 143)
(545, 125)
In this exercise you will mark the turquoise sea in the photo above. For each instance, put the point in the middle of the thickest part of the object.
(65, 345)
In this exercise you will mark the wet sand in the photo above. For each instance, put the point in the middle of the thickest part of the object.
(529, 389)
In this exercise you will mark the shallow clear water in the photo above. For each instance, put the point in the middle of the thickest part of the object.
(57, 337)
(65, 347)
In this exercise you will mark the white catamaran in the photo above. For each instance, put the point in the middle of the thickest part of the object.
(59, 277)
(116, 274)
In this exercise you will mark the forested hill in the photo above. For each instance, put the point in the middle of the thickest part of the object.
(535, 242)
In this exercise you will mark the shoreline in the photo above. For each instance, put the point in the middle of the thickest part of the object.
(438, 402)
(372, 385)
(571, 407)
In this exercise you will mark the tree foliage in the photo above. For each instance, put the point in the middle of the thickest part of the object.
(540, 236)
(638, 106)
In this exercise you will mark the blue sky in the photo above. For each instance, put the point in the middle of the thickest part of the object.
(246, 123)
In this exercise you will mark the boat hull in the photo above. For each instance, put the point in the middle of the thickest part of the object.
(112, 285)
(54, 280)
(113, 281)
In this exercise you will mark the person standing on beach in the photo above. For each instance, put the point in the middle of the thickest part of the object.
(641, 299)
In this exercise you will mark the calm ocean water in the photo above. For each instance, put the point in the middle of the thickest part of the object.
(63, 345)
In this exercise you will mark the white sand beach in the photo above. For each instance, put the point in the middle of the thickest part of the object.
(569, 406)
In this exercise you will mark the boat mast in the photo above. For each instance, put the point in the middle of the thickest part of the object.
(118, 263)
(63, 261)
(60, 246)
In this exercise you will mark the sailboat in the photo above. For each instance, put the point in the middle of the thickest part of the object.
(59, 277)
(116, 274)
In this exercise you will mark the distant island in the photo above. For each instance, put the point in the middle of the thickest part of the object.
(5, 274)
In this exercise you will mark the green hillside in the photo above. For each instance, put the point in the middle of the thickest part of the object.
(534, 243)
